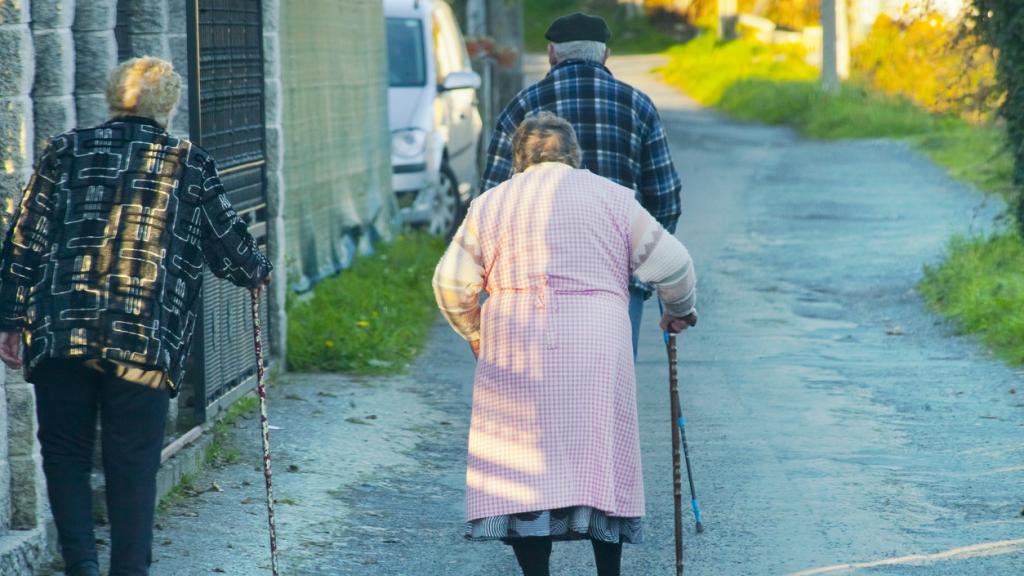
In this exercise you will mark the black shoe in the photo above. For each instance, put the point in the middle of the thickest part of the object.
(87, 568)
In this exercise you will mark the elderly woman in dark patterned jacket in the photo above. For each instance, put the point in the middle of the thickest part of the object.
(100, 277)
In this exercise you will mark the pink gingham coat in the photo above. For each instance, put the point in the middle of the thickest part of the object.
(554, 419)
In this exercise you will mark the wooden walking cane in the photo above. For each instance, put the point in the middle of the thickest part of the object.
(677, 480)
(261, 389)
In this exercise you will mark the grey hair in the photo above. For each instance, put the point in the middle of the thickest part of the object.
(544, 137)
(147, 87)
(587, 50)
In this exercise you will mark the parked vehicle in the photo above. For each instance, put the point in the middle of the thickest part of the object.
(435, 124)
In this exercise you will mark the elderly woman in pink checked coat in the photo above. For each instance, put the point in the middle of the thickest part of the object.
(554, 451)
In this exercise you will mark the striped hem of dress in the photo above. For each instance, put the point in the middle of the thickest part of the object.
(575, 523)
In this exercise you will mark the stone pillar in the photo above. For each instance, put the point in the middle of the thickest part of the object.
(95, 57)
(146, 27)
(273, 112)
(177, 42)
(16, 123)
(53, 91)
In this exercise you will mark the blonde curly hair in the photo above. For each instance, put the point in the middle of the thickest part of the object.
(544, 137)
(144, 86)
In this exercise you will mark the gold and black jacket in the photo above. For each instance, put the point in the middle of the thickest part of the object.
(104, 256)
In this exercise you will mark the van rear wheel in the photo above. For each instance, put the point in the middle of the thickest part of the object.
(447, 210)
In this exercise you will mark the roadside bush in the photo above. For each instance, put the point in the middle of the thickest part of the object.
(794, 14)
(1000, 23)
(372, 318)
(931, 63)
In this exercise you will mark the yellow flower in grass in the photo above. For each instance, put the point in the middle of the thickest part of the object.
(329, 343)
(363, 323)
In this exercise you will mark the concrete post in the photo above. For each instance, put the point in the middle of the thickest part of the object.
(273, 116)
(53, 91)
(727, 19)
(95, 57)
(835, 61)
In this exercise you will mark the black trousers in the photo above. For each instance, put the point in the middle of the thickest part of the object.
(533, 555)
(69, 396)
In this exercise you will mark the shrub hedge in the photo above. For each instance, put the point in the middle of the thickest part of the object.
(1001, 24)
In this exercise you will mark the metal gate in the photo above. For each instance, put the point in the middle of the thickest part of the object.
(226, 87)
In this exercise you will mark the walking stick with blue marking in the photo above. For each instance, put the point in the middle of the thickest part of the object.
(677, 438)
(261, 389)
(677, 416)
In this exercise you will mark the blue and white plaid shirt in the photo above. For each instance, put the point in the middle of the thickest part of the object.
(618, 128)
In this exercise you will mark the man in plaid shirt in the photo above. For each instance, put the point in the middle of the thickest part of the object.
(618, 127)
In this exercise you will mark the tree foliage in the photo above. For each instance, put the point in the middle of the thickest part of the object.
(1001, 24)
(930, 62)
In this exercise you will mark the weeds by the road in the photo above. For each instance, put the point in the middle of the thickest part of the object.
(980, 283)
(629, 36)
(372, 318)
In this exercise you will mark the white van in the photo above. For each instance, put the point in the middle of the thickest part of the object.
(435, 124)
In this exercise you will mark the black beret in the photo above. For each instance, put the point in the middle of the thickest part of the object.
(578, 26)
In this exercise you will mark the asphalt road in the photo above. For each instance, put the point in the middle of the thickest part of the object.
(836, 426)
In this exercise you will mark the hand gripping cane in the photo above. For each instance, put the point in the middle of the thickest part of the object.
(261, 389)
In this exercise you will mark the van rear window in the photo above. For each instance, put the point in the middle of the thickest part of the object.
(407, 65)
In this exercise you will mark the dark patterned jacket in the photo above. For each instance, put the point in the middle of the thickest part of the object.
(104, 257)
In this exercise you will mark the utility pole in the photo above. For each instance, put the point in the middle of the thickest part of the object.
(727, 19)
(835, 60)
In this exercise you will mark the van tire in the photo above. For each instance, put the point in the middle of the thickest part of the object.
(448, 211)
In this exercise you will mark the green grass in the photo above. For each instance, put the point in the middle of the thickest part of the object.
(980, 282)
(372, 318)
(629, 36)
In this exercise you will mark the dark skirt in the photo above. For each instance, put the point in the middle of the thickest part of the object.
(578, 522)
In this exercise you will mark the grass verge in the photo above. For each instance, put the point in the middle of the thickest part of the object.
(980, 282)
(629, 36)
(372, 318)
